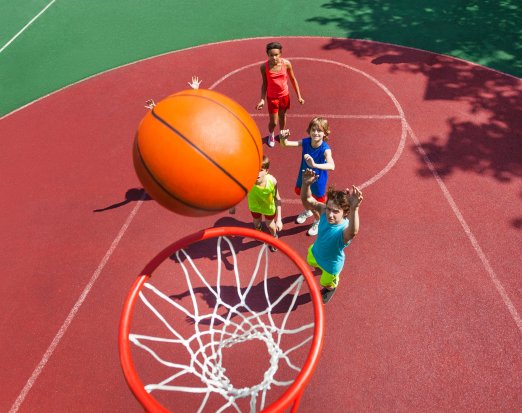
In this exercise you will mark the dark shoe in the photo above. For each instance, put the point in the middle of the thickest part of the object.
(271, 247)
(327, 294)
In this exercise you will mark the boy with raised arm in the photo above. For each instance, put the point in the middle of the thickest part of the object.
(338, 225)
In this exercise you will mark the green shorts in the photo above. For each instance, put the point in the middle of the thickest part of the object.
(327, 279)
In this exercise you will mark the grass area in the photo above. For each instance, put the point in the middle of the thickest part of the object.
(73, 40)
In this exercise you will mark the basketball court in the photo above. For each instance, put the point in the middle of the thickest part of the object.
(427, 314)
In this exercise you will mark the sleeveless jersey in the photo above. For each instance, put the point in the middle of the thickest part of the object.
(318, 188)
(276, 83)
(262, 199)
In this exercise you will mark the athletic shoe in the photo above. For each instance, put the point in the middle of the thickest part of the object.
(271, 247)
(313, 229)
(271, 140)
(327, 294)
(303, 216)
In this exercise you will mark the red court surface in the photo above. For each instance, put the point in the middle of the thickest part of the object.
(427, 315)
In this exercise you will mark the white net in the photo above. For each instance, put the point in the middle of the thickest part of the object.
(194, 359)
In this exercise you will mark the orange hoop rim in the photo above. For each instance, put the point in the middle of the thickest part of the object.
(294, 391)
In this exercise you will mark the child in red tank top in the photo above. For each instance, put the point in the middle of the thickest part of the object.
(275, 74)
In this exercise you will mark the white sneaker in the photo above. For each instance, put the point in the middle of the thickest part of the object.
(313, 229)
(271, 140)
(303, 216)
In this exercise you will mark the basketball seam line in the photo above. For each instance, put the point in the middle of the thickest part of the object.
(144, 164)
(227, 109)
(173, 129)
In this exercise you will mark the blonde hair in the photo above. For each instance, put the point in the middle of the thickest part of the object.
(322, 124)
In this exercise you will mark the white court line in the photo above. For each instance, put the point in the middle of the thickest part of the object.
(392, 97)
(50, 350)
(114, 244)
(294, 201)
(104, 261)
(487, 266)
(328, 116)
(26, 26)
(245, 39)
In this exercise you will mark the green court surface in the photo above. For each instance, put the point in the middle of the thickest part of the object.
(72, 40)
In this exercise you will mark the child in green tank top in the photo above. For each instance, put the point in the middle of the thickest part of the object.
(264, 199)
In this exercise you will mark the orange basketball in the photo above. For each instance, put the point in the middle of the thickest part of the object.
(197, 152)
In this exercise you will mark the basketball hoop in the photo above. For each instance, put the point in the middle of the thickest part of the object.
(234, 312)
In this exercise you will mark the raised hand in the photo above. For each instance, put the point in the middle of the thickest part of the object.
(195, 82)
(283, 136)
(284, 133)
(355, 198)
(309, 176)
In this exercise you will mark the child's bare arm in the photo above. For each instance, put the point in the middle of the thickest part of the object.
(261, 102)
(293, 80)
(329, 165)
(309, 202)
(284, 141)
(355, 200)
(279, 217)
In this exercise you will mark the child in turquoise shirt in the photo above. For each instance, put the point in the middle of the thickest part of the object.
(338, 225)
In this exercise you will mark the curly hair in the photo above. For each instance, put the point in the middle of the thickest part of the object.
(339, 198)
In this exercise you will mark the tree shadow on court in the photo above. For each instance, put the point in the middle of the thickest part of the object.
(486, 137)
(255, 298)
(517, 221)
(132, 195)
(486, 32)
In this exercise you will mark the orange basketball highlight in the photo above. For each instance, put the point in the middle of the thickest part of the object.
(197, 152)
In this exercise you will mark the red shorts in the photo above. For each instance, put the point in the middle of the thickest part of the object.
(277, 104)
(257, 215)
(317, 198)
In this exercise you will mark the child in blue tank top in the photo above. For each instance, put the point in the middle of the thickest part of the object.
(338, 225)
(316, 154)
